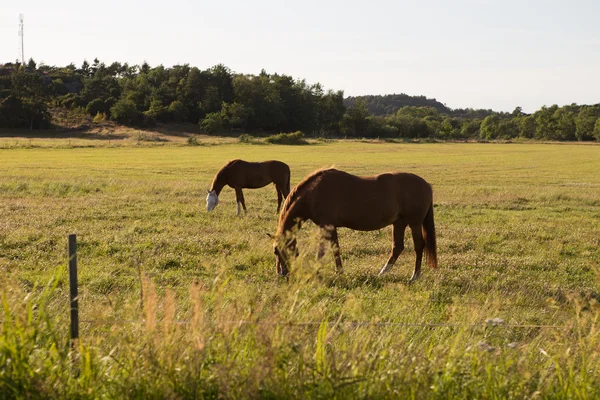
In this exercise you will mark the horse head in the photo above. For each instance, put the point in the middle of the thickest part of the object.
(283, 250)
(211, 200)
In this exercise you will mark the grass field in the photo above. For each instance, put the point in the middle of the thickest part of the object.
(179, 303)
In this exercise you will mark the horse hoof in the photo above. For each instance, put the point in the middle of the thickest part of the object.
(385, 269)
(282, 277)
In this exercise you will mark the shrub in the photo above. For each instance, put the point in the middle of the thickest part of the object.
(158, 112)
(294, 138)
(100, 117)
(178, 111)
(192, 141)
(17, 113)
(245, 138)
(95, 106)
(125, 112)
(212, 123)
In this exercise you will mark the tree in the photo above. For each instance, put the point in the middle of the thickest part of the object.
(490, 127)
(356, 119)
(507, 129)
(517, 112)
(29, 85)
(157, 111)
(564, 118)
(125, 112)
(585, 122)
(470, 128)
(597, 130)
(298, 104)
(330, 111)
(221, 77)
(390, 104)
(526, 126)
(23, 113)
(262, 100)
(235, 114)
(213, 123)
(85, 69)
(407, 126)
(29, 103)
(12, 113)
(178, 111)
(449, 128)
(418, 112)
(95, 106)
(545, 127)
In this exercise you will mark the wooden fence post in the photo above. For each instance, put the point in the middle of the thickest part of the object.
(73, 289)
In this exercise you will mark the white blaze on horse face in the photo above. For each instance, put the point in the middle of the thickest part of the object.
(211, 200)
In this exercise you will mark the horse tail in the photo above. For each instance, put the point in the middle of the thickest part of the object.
(287, 183)
(429, 236)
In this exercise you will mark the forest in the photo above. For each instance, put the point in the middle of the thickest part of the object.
(221, 101)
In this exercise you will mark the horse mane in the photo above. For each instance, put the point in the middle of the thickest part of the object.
(219, 174)
(296, 194)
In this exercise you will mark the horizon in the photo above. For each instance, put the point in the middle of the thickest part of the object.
(470, 54)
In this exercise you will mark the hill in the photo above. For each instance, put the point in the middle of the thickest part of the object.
(390, 103)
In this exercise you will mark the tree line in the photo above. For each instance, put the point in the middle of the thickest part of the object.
(220, 100)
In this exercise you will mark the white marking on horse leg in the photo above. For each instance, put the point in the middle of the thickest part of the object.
(239, 208)
(414, 277)
(385, 269)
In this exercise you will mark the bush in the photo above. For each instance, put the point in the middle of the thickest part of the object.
(16, 113)
(158, 112)
(95, 106)
(100, 117)
(245, 138)
(125, 112)
(212, 123)
(378, 128)
(178, 111)
(192, 141)
(294, 138)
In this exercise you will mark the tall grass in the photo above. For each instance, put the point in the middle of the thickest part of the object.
(211, 345)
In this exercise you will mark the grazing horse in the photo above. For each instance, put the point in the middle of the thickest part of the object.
(331, 198)
(240, 174)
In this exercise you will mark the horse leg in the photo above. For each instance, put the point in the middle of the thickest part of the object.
(239, 197)
(398, 234)
(333, 238)
(325, 235)
(419, 247)
(279, 198)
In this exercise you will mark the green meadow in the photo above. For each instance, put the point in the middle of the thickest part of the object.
(176, 302)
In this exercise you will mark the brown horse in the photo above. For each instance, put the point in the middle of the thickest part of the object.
(240, 174)
(332, 199)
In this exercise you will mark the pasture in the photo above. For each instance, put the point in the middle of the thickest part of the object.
(180, 303)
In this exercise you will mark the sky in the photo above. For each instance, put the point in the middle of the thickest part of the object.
(465, 53)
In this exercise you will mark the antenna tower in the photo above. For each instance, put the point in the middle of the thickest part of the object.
(21, 41)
